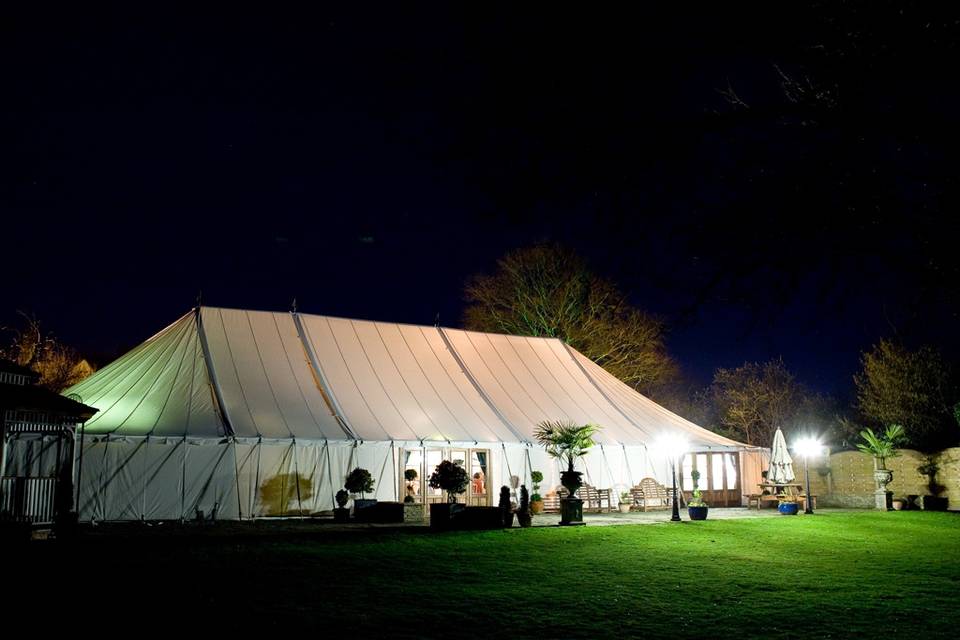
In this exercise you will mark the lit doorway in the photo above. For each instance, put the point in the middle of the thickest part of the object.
(719, 477)
(417, 465)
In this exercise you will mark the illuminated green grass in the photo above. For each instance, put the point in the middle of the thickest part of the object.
(831, 575)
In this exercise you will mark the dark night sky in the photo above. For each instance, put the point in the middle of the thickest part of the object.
(367, 164)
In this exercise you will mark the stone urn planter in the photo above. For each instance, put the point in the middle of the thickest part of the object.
(572, 481)
(624, 507)
(883, 478)
(884, 498)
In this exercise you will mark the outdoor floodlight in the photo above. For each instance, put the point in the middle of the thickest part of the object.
(807, 447)
(674, 446)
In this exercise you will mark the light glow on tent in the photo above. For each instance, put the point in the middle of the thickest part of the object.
(673, 445)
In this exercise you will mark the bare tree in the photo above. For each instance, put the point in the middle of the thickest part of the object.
(755, 399)
(546, 290)
(59, 366)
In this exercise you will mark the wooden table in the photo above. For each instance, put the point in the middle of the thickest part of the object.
(792, 489)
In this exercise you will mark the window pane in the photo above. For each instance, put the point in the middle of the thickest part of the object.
(702, 468)
(716, 471)
(434, 457)
(478, 472)
(733, 478)
(413, 462)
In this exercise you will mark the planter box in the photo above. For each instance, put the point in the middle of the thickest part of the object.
(341, 515)
(380, 513)
(360, 503)
(475, 518)
(414, 512)
(934, 503)
(442, 514)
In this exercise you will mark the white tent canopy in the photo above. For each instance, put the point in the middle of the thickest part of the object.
(223, 401)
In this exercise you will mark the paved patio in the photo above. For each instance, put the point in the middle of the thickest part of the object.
(653, 517)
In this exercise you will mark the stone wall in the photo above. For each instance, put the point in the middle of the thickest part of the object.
(849, 482)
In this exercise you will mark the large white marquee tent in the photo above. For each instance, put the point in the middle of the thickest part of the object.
(258, 413)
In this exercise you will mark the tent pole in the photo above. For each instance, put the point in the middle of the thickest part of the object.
(296, 472)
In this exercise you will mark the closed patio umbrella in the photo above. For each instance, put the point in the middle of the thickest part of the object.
(781, 464)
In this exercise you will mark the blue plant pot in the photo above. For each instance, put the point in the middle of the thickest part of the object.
(788, 508)
(697, 513)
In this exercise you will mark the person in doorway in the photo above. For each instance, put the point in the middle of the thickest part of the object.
(478, 487)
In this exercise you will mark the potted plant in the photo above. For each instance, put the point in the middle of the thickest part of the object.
(899, 504)
(536, 500)
(696, 507)
(524, 517)
(788, 505)
(932, 502)
(626, 501)
(567, 441)
(506, 509)
(341, 513)
(360, 481)
(452, 478)
(882, 446)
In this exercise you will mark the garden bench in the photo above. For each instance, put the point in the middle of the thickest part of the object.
(593, 498)
(650, 494)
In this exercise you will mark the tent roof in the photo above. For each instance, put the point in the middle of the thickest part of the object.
(221, 372)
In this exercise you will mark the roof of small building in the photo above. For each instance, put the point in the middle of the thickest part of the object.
(9, 366)
(32, 398)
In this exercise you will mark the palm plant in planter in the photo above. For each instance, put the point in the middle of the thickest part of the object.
(696, 507)
(882, 446)
(360, 481)
(566, 441)
(536, 500)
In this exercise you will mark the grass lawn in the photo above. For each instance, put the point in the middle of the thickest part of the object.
(832, 575)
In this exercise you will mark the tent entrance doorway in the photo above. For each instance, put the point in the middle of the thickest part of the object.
(424, 461)
(719, 477)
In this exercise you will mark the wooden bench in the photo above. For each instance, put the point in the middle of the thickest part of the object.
(593, 498)
(650, 494)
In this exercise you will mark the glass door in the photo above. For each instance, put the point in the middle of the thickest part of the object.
(719, 477)
(478, 491)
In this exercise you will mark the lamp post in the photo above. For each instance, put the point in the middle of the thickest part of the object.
(676, 507)
(674, 446)
(807, 447)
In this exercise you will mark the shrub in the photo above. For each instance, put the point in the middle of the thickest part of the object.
(450, 477)
(524, 500)
(359, 481)
(342, 497)
(410, 475)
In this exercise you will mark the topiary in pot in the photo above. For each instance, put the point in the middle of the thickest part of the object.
(506, 509)
(696, 507)
(360, 481)
(536, 500)
(524, 517)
